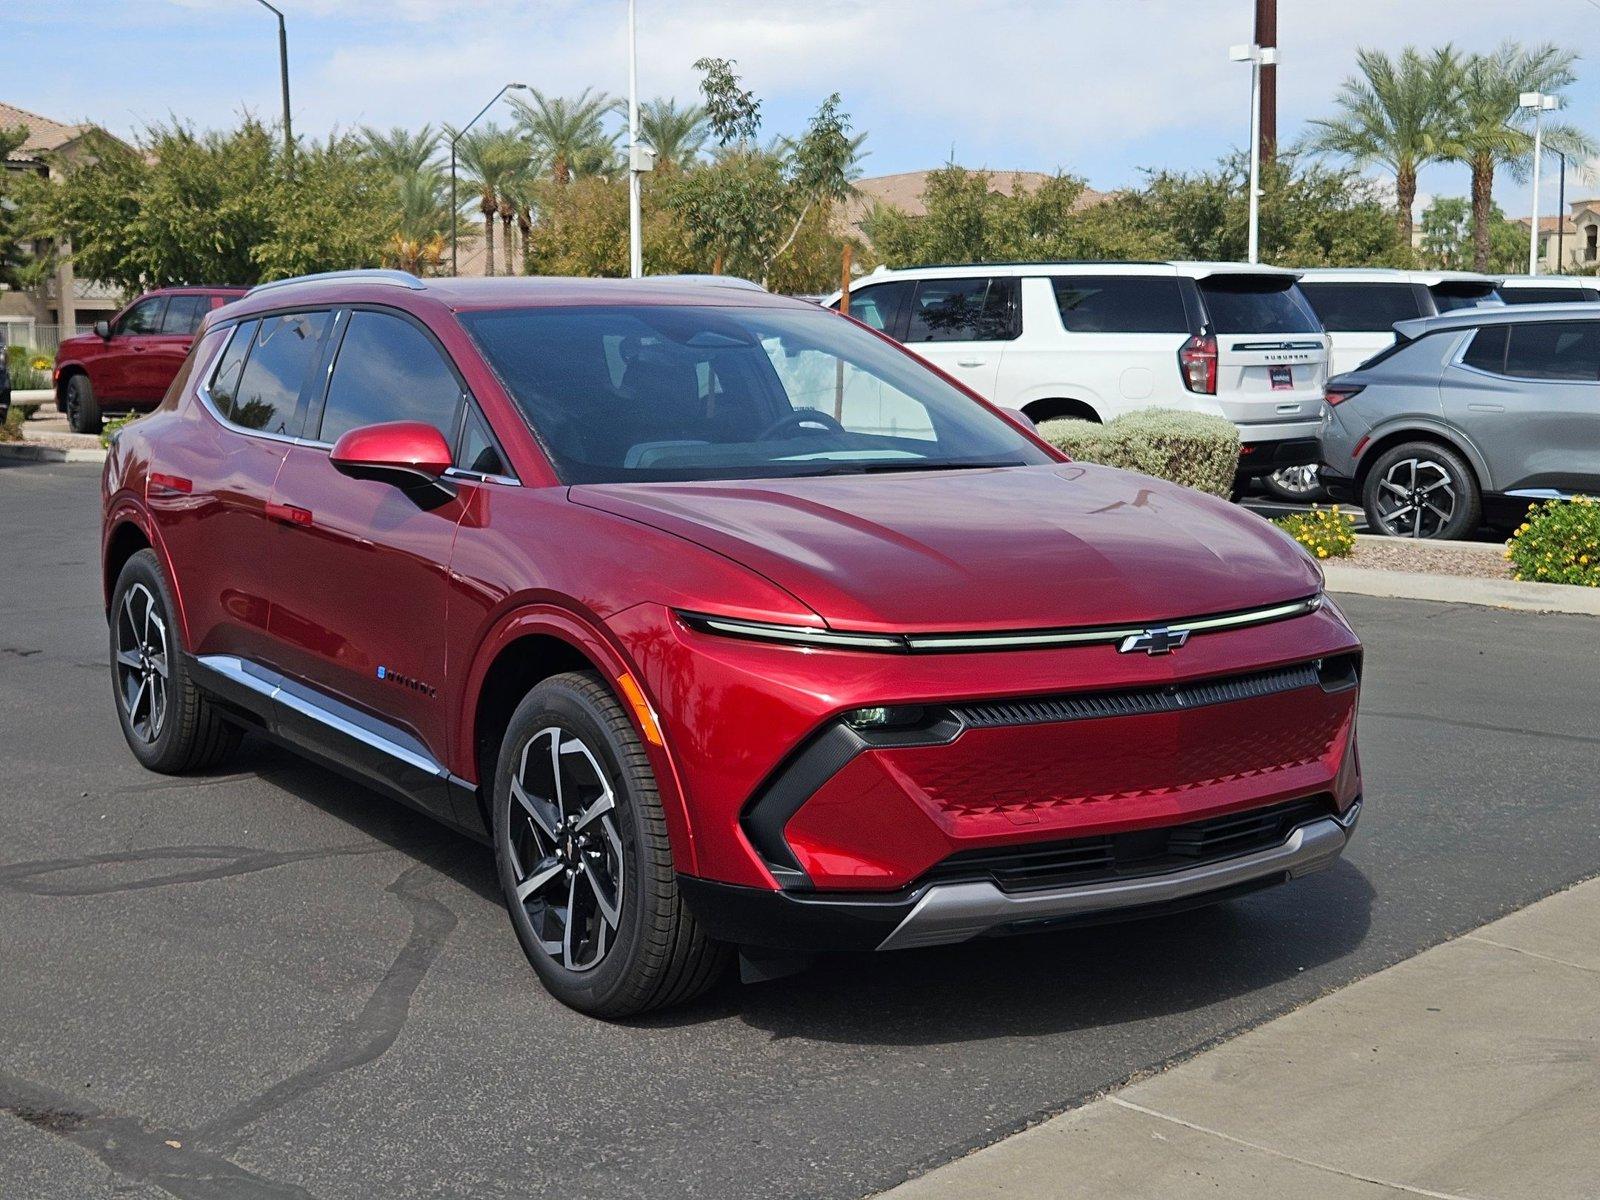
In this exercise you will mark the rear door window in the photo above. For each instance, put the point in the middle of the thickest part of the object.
(184, 314)
(1362, 307)
(880, 304)
(1257, 304)
(1555, 350)
(283, 355)
(964, 310)
(1120, 304)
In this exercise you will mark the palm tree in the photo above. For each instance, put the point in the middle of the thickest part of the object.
(490, 159)
(420, 240)
(1488, 128)
(1394, 114)
(568, 133)
(677, 135)
(399, 151)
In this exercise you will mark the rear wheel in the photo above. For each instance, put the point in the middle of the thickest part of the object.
(170, 725)
(83, 410)
(1297, 485)
(584, 861)
(1422, 490)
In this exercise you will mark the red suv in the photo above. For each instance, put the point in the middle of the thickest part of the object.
(126, 364)
(726, 621)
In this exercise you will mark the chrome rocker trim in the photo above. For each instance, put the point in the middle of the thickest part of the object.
(957, 912)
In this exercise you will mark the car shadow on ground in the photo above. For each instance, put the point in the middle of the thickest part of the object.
(1078, 978)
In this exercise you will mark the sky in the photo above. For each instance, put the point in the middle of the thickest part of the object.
(1102, 89)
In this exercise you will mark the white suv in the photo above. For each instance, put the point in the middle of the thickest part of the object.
(1096, 340)
(1360, 305)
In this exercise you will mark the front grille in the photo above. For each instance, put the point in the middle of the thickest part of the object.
(1140, 852)
(1082, 706)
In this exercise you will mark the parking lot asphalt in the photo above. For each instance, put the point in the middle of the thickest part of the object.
(274, 983)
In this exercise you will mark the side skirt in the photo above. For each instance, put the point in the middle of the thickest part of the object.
(345, 738)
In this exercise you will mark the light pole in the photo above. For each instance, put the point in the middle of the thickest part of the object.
(283, 72)
(455, 136)
(1561, 216)
(1539, 104)
(641, 158)
(1257, 57)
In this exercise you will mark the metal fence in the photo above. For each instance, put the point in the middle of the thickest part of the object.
(42, 339)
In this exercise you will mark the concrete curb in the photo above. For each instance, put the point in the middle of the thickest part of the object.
(33, 452)
(1453, 589)
(34, 396)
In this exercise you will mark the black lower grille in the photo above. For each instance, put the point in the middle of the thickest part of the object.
(1141, 852)
(1080, 706)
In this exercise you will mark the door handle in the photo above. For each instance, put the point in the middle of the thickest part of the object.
(290, 514)
(1487, 407)
(970, 362)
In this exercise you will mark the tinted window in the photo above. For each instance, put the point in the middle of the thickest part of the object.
(1362, 307)
(1447, 297)
(879, 305)
(478, 451)
(686, 392)
(184, 314)
(964, 310)
(225, 383)
(144, 317)
(1546, 295)
(1567, 350)
(1257, 304)
(388, 370)
(1120, 304)
(282, 354)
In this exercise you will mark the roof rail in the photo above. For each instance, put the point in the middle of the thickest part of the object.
(727, 281)
(403, 279)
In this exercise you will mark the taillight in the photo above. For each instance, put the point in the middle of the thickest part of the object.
(1339, 393)
(1197, 360)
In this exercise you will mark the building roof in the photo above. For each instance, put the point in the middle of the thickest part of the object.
(1550, 224)
(44, 134)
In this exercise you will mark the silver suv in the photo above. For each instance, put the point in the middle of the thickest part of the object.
(1468, 417)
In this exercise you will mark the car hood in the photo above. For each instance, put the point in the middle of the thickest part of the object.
(1014, 548)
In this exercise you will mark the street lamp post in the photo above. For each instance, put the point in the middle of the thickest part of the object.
(283, 73)
(641, 157)
(1257, 57)
(1539, 104)
(455, 136)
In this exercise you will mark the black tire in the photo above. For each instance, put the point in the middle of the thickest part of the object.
(83, 410)
(1040, 411)
(1422, 490)
(1292, 485)
(190, 733)
(655, 954)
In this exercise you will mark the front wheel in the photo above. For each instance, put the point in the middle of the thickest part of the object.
(584, 861)
(83, 409)
(1422, 490)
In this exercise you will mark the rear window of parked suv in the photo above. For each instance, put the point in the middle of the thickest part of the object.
(1362, 307)
(1120, 304)
(1257, 304)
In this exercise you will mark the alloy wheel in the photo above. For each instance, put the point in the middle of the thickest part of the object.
(142, 663)
(565, 848)
(1416, 498)
(1297, 480)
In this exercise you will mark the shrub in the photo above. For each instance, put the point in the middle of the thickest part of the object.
(1324, 532)
(110, 428)
(1558, 543)
(1197, 450)
(30, 369)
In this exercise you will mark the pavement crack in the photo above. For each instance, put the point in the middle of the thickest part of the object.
(369, 1036)
(1565, 962)
(1404, 1188)
(35, 878)
(132, 1149)
(1482, 727)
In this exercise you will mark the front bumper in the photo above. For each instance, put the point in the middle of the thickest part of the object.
(943, 912)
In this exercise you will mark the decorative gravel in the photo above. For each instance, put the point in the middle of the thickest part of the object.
(1474, 560)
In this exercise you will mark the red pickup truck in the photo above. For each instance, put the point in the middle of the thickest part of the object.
(126, 364)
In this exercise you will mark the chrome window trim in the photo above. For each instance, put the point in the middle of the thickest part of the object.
(797, 635)
(203, 388)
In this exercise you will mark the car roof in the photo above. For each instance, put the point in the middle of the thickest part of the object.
(1194, 270)
(1392, 275)
(513, 291)
(204, 289)
(1518, 314)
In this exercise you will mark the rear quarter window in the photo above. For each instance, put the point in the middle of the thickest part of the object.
(1362, 307)
(1257, 304)
(1120, 304)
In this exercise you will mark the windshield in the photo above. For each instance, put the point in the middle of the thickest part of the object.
(1257, 304)
(633, 392)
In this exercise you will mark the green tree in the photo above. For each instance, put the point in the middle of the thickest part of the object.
(491, 159)
(217, 207)
(678, 135)
(569, 134)
(1393, 114)
(1487, 129)
(401, 152)
(1447, 237)
(18, 269)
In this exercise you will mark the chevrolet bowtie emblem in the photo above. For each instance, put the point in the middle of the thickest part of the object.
(1159, 640)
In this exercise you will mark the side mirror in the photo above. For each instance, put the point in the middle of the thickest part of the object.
(410, 455)
(102, 330)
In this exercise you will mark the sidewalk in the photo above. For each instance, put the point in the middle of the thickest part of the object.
(1471, 1072)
